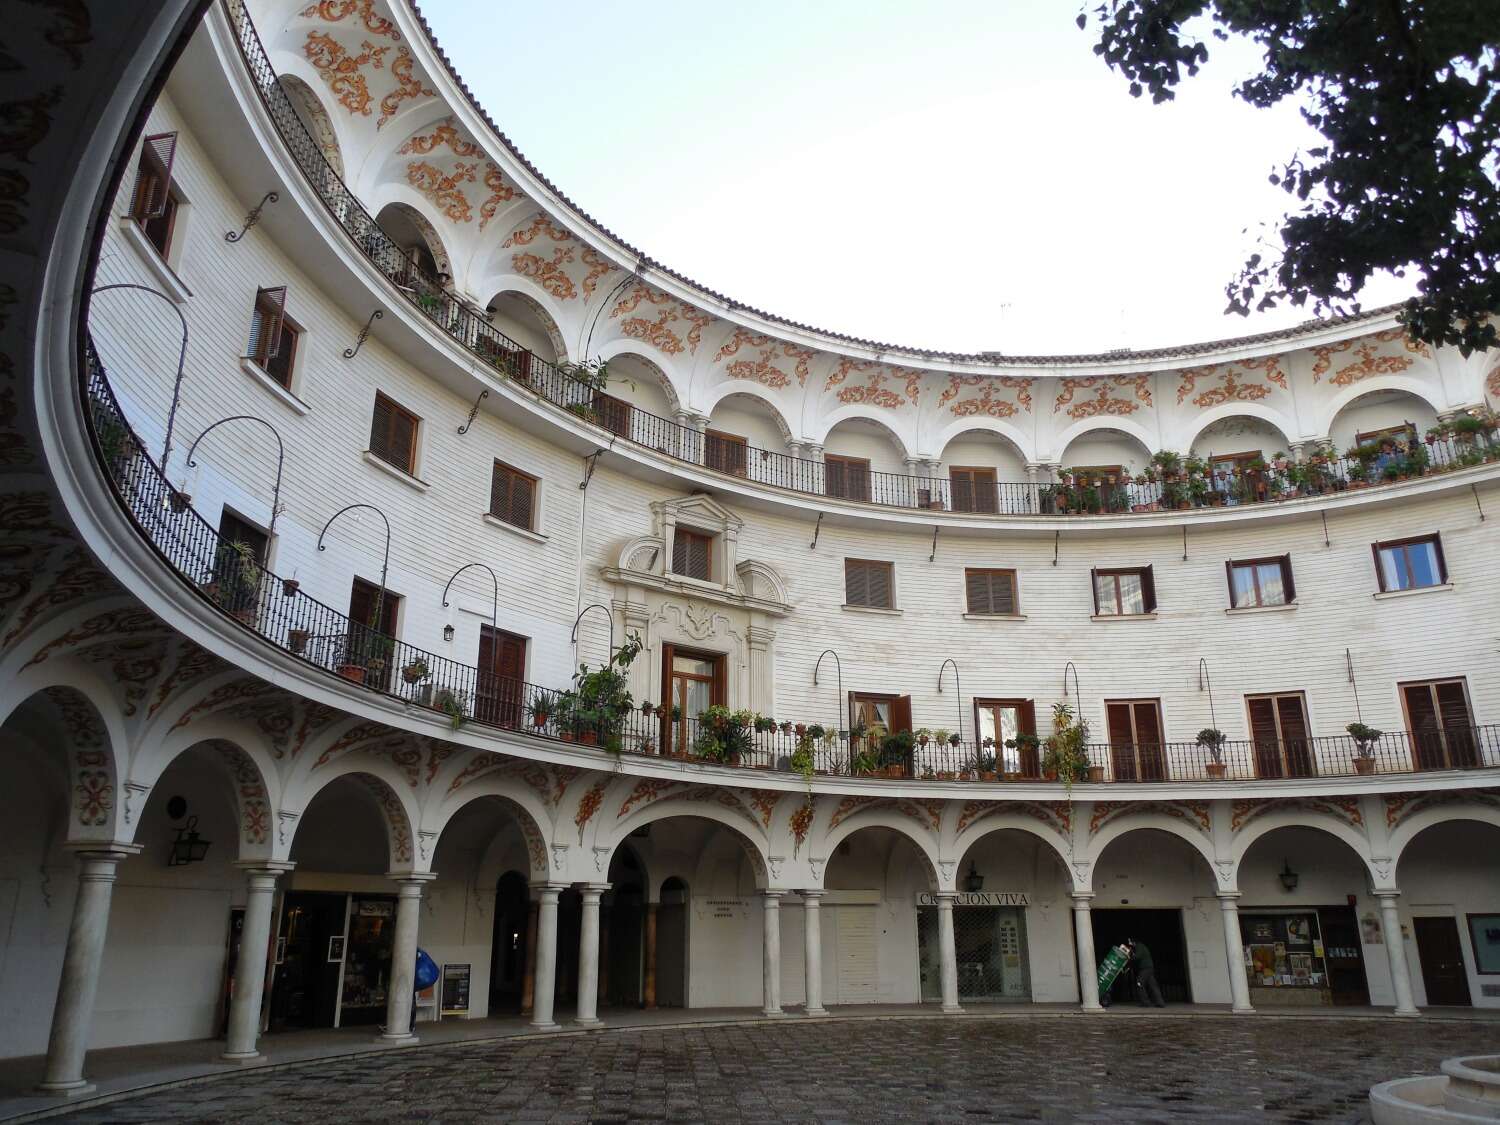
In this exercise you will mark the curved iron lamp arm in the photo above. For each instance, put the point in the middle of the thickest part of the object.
(839, 664)
(1203, 680)
(385, 564)
(494, 604)
(280, 460)
(959, 686)
(166, 448)
(1077, 690)
(603, 609)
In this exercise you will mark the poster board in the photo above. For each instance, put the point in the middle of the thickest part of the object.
(456, 989)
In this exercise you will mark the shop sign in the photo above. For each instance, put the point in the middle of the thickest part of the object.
(979, 898)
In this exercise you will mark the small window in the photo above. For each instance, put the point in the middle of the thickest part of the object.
(153, 202)
(393, 435)
(513, 496)
(974, 490)
(869, 584)
(612, 413)
(692, 554)
(848, 477)
(727, 453)
(991, 591)
(1123, 593)
(273, 336)
(1258, 582)
(1410, 564)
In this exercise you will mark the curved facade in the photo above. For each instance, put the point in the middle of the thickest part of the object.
(365, 437)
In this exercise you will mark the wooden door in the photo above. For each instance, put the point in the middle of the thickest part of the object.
(1279, 736)
(371, 639)
(612, 413)
(500, 690)
(1135, 740)
(1442, 958)
(691, 681)
(1003, 720)
(974, 490)
(727, 453)
(1442, 731)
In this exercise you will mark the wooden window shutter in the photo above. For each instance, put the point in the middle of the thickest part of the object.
(1148, 722)
(1263, 719)
(522, 500)
(962, 481)
(856, 583)
(266, 323)
(1286, 578)
(835, 478)
(1094, 585)
(880, 585)
(1442, 565)
(679, 553)
(1420, 709)
(393, 434)
(153, 182)
(1121, 732)
(692, 554)
(1379, 568)
(1293, 717)
(977, 586)
(901, 713)
(1148, 588)
(1452, 705)
(1027, 717)
(1229, 578)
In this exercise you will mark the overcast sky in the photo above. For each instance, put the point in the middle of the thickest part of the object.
(950, 174)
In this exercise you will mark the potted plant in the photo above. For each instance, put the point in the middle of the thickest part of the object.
(540, 709)
(354, 673)
(954, 739)
(1365, 739)
(764, 725)
(923, 736)
(451, 703)
(380, 648)
(289, 587)
(895, 753)
(296, 640)
(181, 501)
(815, 731)
(1212, 740)
(236, 582)
(723, 735)
(802, 762)
(595, 708)
(416, 671)
(981, 766)
(647, 707)
(1066, 756)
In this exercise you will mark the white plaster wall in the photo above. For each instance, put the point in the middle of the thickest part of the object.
(1240, 435)
(750, 419)
(860, 438)
(1106, 447)
(1376, 411)
(976, 449)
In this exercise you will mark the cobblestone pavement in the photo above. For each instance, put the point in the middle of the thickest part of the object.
(1105, 1069)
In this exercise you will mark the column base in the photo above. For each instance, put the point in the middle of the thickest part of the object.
(589, 1022)
(1092, 1008)
(772, 1013)
(66, 1089)
(242, 1056)
(1407, 1012)
(544, 1026)
(1247, 1010)
(815, 1012)
(397, 1040)
(953, 1011)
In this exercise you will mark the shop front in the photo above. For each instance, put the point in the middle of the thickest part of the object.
(989, 938)
(332, 960)
(1303, 957)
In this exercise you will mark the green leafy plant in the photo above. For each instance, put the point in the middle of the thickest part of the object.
(723, 735)
(1066, 752)
(416, 671)
(802, 761)
(1212, 739)
(1365, 738)
(599, 702)
(763, 725)
(451, 703)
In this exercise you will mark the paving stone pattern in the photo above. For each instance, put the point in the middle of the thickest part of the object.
(1111, 1068)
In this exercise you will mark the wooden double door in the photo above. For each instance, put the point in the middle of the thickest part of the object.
(1442, 956)
(1136, 752)
(500, 686)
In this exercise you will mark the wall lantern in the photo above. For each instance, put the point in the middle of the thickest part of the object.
(447, 632)
(1288, 876)
(973, 881)
(188, 848)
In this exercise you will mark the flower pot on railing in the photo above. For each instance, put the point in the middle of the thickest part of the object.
(1215, 770)
(1364, 765)
(296, 640)
(1096, 774)
(415, 672)
(289, 587)
(354, 673)
(181, 501)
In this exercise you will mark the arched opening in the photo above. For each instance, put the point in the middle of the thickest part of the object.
(427, 260)
(1153, 887)
(858, 455)
(526, 322)
(337, 919)
(1010, 919)
(637, 397)
(986, 473)
(309, 110)
(1237, 449)
(1097, 470)
(672, 944)
(1371, 417)
(622, 933)
(1303, 894)
(1449, 873)
(510, 945)
(738, 424)
(871, 936)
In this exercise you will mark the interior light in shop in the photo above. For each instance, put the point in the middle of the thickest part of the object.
(1288, 876)
(447, 632)
(188, 847)
(973, 881)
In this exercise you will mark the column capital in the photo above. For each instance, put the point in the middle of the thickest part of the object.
(945, 898)
(411, 878)
(1081, 899)
(548, 892)
(594, 889)
(103, 850)
(270, 867)
(1228, 898)
(773, 898)
(813, 894)
(1387, 895)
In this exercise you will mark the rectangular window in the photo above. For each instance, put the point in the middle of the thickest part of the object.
(1441, 726)
(691, 682)
(1011, 723)
(881, 715)
(847, 477)
(1404, 434)
(512, 496)
(1279, 735)
(693, 554)
(1257, 582)
(153, 203)
(1135, 739)
(1410, 564)
(974, 490)
(612, 413)
(726, 453)
(868, 583)
(237, 575)
(500, 689)
(393, 435)
(273, 336)
(991, 592)
(1124, 593)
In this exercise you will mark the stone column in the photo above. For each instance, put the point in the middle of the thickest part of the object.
(250, 970)
(1088, 966)
(1234, 949)
(1395, 949)
(588, 957)
(812, 951)
(546, 956)
(74, 1010)
(947, 952)
(649, 988)
(528, 974)
(771, 948)
(399, 993)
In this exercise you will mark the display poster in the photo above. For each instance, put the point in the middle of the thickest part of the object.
(1484, 933)
(456, 989)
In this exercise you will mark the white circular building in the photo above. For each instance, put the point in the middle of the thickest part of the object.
(341, 437)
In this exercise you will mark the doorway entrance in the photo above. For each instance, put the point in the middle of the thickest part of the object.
(691, 682)
(990, 947)
(672, 945)
(508, 950)
(1442, 958)
(1161, 932)
(305, 986)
